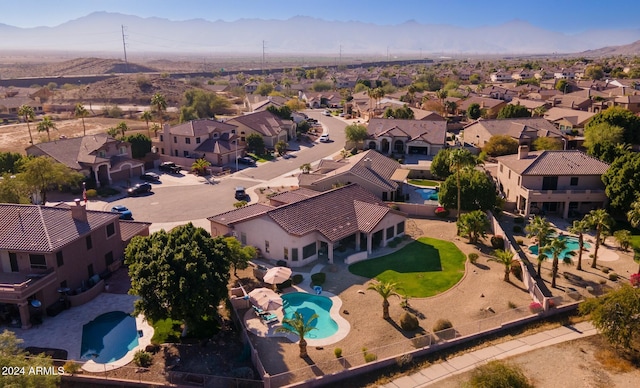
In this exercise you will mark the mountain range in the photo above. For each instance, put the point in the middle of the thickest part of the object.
(104, 32)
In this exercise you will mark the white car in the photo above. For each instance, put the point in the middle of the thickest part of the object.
(324, 138)
(326, 113)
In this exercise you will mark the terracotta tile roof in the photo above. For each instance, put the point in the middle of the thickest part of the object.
(75, 152)
(518, 127)
(241, 214)
(555, 163)
(575, 117)
(432, 132)
(130, 229)
(35, 228)
(263, 122)
(484, 102)
(220, 145)
(200, 128)
(294, 195)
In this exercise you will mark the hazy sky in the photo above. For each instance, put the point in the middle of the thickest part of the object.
(567, 16)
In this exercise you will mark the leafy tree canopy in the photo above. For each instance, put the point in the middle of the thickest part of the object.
(321, 86)
(199, 104)
(12, 355)
(42, 173)
(239, 256)
(477, 191)
(284, 112)
(255, 143)
(400, 113)
(264, 89)
(140, 144)
(13, 189)
(547, 143)
(499, 145)
(474, 111)
(355, 132)
(513, 111)
(622, 181)
(620, 117)
(440, 164)
(10, 162)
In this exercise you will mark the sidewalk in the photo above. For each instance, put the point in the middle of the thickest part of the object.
(467, 362)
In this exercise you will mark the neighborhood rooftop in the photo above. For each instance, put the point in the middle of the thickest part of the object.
(571, 162)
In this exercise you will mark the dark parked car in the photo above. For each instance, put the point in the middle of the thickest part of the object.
(140, 188)
(241, 195)
(150, 177)
(125, 214)
(246, 160)
(170, 167)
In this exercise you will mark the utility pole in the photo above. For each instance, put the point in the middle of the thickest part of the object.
(124, 47)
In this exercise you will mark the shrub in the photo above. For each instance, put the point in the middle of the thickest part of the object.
(635, 279)
(520, 241)
(613, 276)
(473, 257)
(518, 220)
(605, 269)
(511, 305)
(409, 322)
(516, 270)
(318, 279)
(535, 307)
(441, 212)
(404, 360)
(337, 352)
(498, 374)
(72, 367)
(297, 278)
(368, 357)
(92, 193)
(142, 359)
(442, 324)
(497, 242)
(517, 229)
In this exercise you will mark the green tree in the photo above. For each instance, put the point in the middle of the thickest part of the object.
(160, 104)
(498, 374)
(620, 117)
(474, 225)
(321, 86)
(10, 162)
(122, 129)
(13, 189)
(539, 111)
(579, 227)
(476, 191)
(548, 143)
(499, 145)
(563, 86)
(255, 143)
(622, 181)
(305, 168)
(633, 215)
(200, 166)
(440, 165)
(27, 113)
(385, 290)
(81, 111)
(281, 147)
(623, 237)
(513, 111)
(199, 104)
(140, 144)
(284, 112)
(264, 89)
(239, 256)
(46, 125)
(602, 222)
(442, 96)
(539, 228)
(295, 104)
(42, 173)
(554, 248)
(616, 316)
(113, 132)
(594, 72)
(146, 116)
(355, 132)
(298, 326)
(460, 159)
(505, 258)
(474, 111)
(597, 135)
(12, 355)
(181, 275)
(155, 128)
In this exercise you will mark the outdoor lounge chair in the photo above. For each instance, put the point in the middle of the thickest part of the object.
(271, 318)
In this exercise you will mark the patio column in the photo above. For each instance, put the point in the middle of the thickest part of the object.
(95, 176)
(369, 243)
(330, 252)
(109, 175)
(565, 211)
(527, 207)
(25, 317)
(358, 241)
(384, 237)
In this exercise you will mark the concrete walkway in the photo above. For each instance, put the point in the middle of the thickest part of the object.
(466, 362)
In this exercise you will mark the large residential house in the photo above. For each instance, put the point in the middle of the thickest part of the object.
(302, 226)
(524, 130)
(568, 120)
(389, 136)
(99, 157)
(567, 183)
(271, 127)
(217, 142)
(53, 252)
(371, 170)
(491, 106)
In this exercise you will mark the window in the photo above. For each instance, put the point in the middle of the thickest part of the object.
(215, 135)
(111, 229)
(102, 154)
(13, 260)
(161, 138)
(89, 243)
(286, 254)
(175, 139)
(162, 151)
(550, 183)
(38, 262)
(197, 140)
(59, 259)
(243, 238)
(400, 227)
(123, 150)
(187, 140)
(294, 254)
(266, 246)
(574, 181)
(390, 232)
(185, 153)
(308, 250)
(90, 270)
(108, 258)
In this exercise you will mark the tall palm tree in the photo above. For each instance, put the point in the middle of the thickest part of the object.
(442, 95)
(602, 222)
(298, 326)
(28, 114)
(505, 258)
(460, 159)
(579, 227)
(81, 112)
(155, 128)
(386, 290)
(160, 104)
(539, 228)
(122, 128)
(554, 248)
(46, 125)
(633, 215)
(146, 117)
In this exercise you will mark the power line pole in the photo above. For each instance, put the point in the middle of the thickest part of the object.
(124, 47)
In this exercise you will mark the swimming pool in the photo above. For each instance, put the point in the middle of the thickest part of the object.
(307, 305)
(109, 337)
(572, 245)
(428, 194)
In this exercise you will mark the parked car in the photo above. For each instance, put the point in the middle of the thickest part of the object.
(324, 138)
(150, 177)
(246, 160)
(241, 195)
(125, 214)
(326, 113)
(170, 167)
(140, 188)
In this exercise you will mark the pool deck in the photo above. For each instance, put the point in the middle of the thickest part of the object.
(64, 331)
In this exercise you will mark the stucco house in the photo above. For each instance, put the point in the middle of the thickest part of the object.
(491, 106)
(301, 227)
(568, 120)
(557, 182)
(389, 136)
(53, 252)
(524, 130)
(99, 157)
(271, 127)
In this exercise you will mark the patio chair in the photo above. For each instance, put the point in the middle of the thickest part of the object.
(271, 318)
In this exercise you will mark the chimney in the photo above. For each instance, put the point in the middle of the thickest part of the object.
(79, 212)
(523, 152)
(367, 162)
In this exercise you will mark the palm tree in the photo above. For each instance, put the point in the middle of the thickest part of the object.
(554, 248)
(146, 116)
(633, 215)
(386, 290)
(160, 103)
(601, 221)
(473, 224)
(539, 228)
(299, 327)
(505, 258)
(113, 132)
(28, 114)
(579, 227)
(460, 159)
(200, 166)
(81, 112)
(155, 128)
(46, 125)
(305, 168)
(122, 128)
(442, 95)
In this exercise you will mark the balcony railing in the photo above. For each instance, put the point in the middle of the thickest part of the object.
(27, 285)
(565, 192)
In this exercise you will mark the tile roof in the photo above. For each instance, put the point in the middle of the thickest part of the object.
(432, 132)
(241, 214)
(220, 145)
(130, 229)
(36, 228)
(263, 122)
(200, 128)
(294, 195)
(517, 127)
(552, 163)
(77, 151)
(575, 117)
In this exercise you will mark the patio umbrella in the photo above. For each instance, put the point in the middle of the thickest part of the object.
(265, 298)
(277, 275)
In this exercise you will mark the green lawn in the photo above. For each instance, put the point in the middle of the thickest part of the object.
(423, 268)
(423, 182)
(261, 158)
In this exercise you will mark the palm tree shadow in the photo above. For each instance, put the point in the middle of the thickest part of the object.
(314, 368)
(482, 266)
(415, 312)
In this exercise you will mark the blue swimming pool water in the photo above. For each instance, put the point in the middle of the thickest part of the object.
(307, 305)
(572, 245)
(428, 194)
(109, 337)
